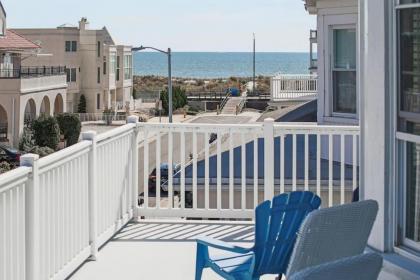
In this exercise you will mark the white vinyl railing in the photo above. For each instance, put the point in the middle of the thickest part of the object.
(291, 87)
(13, 210)
(244, 165)
(57, 211)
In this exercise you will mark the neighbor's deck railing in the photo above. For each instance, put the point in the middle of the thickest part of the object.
(56, 212)
(291, 87)
(94, 117)
(31, 72)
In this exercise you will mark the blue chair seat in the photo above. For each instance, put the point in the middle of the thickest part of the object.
(276, 226)
(233, 264)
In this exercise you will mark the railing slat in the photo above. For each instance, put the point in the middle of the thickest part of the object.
(231, 174)
(330, 170)
(318, 164)
(182, 156)
(206, 171)
(282, 139)
(158, 159)
(294, 162)
(219, 171)
(256, 171)
(306, 162)
(342, 166)
(146, 167)
(170, 171)
(243, 172)
(354, 149)
(194, 178)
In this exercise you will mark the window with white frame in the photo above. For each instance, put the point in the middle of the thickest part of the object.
(6, 66)
(127, 67)
(112, 63)
(408, 136)
(343, 71)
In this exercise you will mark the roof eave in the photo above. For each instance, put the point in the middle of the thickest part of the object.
(2, 8)
(310, 6)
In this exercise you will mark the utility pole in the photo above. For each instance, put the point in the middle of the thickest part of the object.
(170, 84)
(253, 65)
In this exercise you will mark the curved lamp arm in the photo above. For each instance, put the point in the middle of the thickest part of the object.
(144, 48)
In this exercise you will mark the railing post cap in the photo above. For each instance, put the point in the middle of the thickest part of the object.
(28, 159)
(133, 119)
(89, 135)
(269, 120)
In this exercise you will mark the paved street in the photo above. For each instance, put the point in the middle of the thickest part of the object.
(188, 143)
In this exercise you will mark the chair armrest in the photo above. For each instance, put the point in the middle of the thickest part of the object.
(218, 244)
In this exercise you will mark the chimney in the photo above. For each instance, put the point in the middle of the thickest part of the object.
(83, 24)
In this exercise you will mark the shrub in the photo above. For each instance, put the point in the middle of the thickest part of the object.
(41, 151)
(5, 166)
(81, 108)
(46, 132)
(26, 141)
(179, 99)
(136, 94)
(70, 127)
(143, 118)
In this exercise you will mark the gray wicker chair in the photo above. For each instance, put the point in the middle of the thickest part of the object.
(331, 234)
(361, 267)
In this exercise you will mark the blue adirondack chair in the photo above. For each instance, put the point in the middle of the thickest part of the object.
(276, 225)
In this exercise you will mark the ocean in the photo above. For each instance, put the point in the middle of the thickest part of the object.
(220, 64)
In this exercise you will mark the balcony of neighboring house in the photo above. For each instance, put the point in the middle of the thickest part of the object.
(31, 79)
(291, 87)
(142, 193)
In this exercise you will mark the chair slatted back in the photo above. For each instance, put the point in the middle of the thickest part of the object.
(276, 229)
(333, 233)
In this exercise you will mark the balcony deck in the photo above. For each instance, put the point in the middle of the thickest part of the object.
(164, 249)
(161, 249)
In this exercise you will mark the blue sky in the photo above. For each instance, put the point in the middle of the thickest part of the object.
(184, 25)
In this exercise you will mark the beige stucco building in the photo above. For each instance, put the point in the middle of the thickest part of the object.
(96, 66)
(26, 90)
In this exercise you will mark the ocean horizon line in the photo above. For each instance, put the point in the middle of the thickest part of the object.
(219, 52)
(215, 65)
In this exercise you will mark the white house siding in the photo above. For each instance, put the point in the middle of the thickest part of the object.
(329, 13)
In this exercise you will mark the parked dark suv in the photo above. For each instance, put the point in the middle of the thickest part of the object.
(164, 170)
(9, 154)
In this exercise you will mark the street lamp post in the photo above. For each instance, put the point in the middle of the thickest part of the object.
(170, 84)
(169, 54)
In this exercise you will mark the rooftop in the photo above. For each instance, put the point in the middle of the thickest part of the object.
(16, 42)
